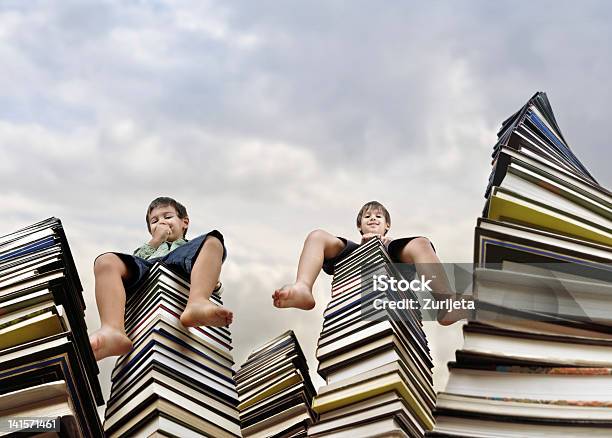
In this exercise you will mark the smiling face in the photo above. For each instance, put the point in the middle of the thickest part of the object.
(373, 221)
(169, 216)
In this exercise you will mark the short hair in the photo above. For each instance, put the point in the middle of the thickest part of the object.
(164, 201)
(373, 205)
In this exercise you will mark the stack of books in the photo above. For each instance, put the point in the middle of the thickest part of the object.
(537, 361)
(47, 367)
(374, 359)
(275, 390)
(176, 381)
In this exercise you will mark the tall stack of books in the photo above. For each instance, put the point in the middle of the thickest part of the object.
(538, 359)
(375, 360)
(275, 390)
(47, 366)
(176, 381)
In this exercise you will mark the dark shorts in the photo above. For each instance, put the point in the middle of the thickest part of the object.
(180, 260)
(394, 249)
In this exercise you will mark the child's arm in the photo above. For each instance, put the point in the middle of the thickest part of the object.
(159, 236)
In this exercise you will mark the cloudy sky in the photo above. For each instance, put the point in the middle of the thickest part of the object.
(268, 119)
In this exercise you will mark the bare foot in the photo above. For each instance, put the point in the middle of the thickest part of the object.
(206, 313)
(109, 341)
(297, 295)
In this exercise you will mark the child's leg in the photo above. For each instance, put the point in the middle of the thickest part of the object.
(319, 245)
(420, 252)
(110, 339)
(204, 277)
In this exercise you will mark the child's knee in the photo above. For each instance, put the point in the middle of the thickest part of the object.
(318, 235)
(419, 245)
(213, 245)
(108, 262)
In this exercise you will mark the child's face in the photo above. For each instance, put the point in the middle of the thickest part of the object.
(373, 221)
(168, 215)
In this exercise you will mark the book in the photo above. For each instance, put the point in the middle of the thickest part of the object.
(507, 157)
(557, 349)
(547, 294)
(536, 358)
(275, 390)
(526, 408)
(509, 206)
(53, 358)
(176, 381)
(539, 384)
(508, 427)
(166, 416)
(367, 354)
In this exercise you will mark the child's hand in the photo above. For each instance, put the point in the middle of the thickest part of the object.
(368, 236)
(160, 234)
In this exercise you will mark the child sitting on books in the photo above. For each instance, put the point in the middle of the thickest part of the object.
(199, 259)
(323, 250)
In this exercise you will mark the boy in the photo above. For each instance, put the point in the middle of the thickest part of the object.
(323, 250)
(116, 273)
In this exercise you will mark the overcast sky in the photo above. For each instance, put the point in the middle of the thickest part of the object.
(269, 119)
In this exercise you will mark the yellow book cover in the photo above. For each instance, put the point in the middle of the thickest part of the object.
(277, 387)
(40, 326)
(357, 393)
(507, 210)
